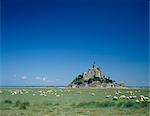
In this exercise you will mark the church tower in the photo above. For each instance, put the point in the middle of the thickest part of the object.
(94, 66)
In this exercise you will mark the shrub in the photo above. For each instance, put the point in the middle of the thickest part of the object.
(106, 104)
(129, 104)
(96, 104)
(23, 107)
(96, 79)
(57, 104)
(17, 103)
(26, 103)
(8, 101)
(144, 104)
(120, 104)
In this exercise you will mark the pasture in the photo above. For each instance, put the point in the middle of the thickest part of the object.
(74, 102)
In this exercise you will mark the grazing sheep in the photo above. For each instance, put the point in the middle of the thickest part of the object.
(116, 93)
(137, 101)
(145, 98)
(13, 93)
(93, 94)
(132, 97)
(119, 92)
(57, 95)
(127, 98)
(41, 94)
(49, 91)
(45, 95)
(1, 92)
(115, 98)
(122, 97)
(108, 96)
(141, 99)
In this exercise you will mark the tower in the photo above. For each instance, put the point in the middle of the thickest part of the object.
(94, 65)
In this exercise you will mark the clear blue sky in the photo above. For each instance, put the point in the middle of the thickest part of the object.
(49, 42)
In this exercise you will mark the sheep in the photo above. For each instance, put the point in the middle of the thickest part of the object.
(57, 95)
(108, 96)
(122, 97)
(1, 92)
(13, 93)
(127, 98)
(93, 94)
(116, 93)
(141, 99)
(132, 97)
(49, 91)
(137, 101)
(145, 98)
(119, 92)
(115, 98)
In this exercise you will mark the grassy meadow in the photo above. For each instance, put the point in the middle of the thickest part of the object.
(72, 102)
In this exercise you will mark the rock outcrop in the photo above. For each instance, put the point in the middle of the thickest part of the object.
(94, 78)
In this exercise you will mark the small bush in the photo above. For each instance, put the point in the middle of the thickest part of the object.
(144, 104)
(96, 104)
(8, 101)
(26, 103)
(22, 107)
(57, 104)
(17, 103)
(128, 104)
(120, 104)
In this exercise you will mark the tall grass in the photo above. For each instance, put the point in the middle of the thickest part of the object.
(106, 104)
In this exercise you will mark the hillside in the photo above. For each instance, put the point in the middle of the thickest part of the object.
(94, 78)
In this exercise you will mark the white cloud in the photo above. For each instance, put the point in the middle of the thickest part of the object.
(44, 79)
(24, 77)
(41, 78)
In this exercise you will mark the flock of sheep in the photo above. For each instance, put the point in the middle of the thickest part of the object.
(58, 93)
(119, 95)
(45, 93)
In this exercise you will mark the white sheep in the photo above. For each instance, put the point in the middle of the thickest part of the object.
(145, 98)
(57, 95)
(108, 96)
(137, 101)
(122, 97)
(115, 98)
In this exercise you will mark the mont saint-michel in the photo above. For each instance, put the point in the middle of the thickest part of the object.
(94, 77)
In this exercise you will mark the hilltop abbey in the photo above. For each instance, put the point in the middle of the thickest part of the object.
(93, 78)
(93, 72)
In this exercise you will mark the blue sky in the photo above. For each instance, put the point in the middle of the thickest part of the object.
(48, 42)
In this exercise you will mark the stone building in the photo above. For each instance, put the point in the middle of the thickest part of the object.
(93, 72)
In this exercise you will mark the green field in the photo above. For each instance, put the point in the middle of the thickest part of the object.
(71, 102)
